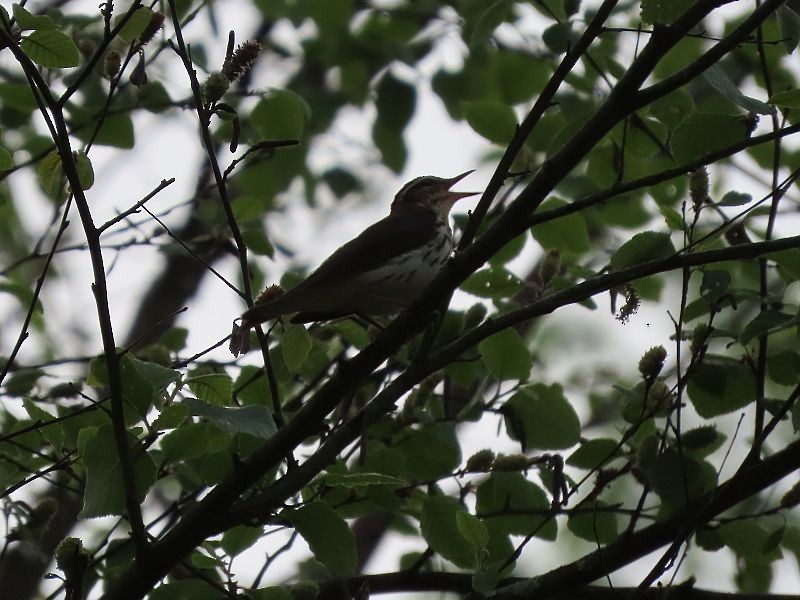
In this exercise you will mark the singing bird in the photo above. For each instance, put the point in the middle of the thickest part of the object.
(380, 271)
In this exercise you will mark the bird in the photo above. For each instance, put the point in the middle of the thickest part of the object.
(379, 272)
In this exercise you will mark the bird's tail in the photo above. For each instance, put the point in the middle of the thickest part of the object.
(270, 305)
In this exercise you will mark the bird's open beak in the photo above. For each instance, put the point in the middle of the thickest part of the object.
(448, 183)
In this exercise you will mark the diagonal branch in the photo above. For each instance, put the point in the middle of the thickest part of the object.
(210, 514)
(100, 290)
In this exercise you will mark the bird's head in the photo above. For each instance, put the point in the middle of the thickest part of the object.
(430, 192)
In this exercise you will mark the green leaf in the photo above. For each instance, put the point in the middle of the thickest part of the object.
(672, 218)
(295, 346)
(439, 526)
(482, 18)
(248, 208)
(143, 383)
(51, 175)
(559, 37)
(17, 96)
(255, 238)
(473, 529)
(252, 387)
(735, 199)
(22, 293)
(641, 248)
(391, 145)
(720, 385)
(134, 27)
(430, 452)
(21, 382)
(663, 12)
(715, 283)
(717, 78)
(677, 479)
(327, 535)
(702, 133)
(788, 262)
(154, 97)
(187, 589)
(508, 252)
(506, 355)
(273, 592)
(395, 102)
(493, 120)
(597, 526)
(85, 171)
(253, 420)
(104, 493)
(594, 453)
(515, 506)
(281, 115)
(54, 435)
(193, 440)
(547, 419)
(170, 417)
(506, 65)
(51, 48)
(201, 560)
(567, 234)
(341, 181)
(27, 21)
(750, 539)
(238, 539)
(495, 282)
(445, 525)
(789, 22)
(116, 131)
(766, 322)
(214, 388)
(673, 108)
(788, 99)
(702, 441)
(784, 367)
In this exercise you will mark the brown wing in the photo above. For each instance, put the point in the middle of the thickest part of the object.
(394, 235)
(400, 232)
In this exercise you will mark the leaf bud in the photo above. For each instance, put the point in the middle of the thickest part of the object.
(272, 292)
(112, 63)
(659, 399)
(153, 27)
(481, 461)
(631, 306)
(698, 187)
(700, 336)
(652, 362)
(71, 557)
(241, 61)
(510, 462)
(215, 86)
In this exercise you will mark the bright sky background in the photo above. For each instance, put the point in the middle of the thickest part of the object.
(169, 148)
